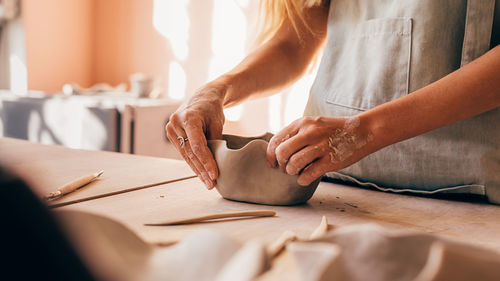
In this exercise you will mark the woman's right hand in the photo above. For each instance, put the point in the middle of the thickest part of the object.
(195, 122)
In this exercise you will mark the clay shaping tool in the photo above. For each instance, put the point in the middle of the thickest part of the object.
(277, 246)
(321, 230)
(289, 236)
(215, 217)
(73, 185)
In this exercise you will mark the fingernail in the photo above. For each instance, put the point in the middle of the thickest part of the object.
(291, 170)
(302, 183)
(208, 184)
(283, 169)
(212, 175)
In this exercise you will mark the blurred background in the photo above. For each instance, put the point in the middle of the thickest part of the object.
(106, 74)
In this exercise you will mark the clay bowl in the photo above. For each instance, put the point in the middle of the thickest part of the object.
(245, 176)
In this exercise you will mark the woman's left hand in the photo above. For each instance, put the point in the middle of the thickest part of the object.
(312, 146)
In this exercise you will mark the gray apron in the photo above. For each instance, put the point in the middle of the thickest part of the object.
(378, 51)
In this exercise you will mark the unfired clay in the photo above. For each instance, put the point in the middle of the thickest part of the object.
(245, 176)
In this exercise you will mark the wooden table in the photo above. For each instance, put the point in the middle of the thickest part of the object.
(343, 205)
(47, 167)
(139, 190)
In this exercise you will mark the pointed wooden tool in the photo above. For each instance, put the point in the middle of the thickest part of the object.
(215, 217)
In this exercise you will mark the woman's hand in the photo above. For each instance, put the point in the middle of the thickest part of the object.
(201, 118)
(312, 146)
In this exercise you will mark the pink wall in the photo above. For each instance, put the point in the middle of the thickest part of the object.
(125, 41)
(58, 42)
(90, 41)
(93, 41)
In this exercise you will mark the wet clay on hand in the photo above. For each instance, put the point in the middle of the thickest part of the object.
(245, 176)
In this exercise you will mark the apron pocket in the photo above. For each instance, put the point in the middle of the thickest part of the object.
(374, 64)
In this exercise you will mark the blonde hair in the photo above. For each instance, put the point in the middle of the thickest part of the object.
(273, 13)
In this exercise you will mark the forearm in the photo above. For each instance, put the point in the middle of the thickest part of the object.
(277, 63)
(265, 72)
(467, 92)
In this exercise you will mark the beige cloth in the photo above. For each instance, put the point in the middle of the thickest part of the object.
(361, 252)
(370, 252)
(113, 252)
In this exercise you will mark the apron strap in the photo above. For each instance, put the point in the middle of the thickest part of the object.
(478, 27)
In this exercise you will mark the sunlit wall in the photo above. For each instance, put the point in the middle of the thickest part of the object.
(229, 26)
(181, 43)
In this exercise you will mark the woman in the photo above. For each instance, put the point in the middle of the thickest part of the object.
(405, 98)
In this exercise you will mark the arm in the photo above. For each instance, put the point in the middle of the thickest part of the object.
(467, 92)
(311, 147)
(279, 62)
(275, 65)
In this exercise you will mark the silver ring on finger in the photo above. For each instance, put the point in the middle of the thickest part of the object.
(182, 141)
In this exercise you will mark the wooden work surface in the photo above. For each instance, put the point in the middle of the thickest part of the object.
(134, 195)
(47, 167)
(343, 205)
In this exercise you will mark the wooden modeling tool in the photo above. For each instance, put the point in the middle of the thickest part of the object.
(277, 246)
(73, 185)
(215, 217)
(321, 230)
(289, 236)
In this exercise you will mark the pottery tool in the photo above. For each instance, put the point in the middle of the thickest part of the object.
(73, 185)
(215, 217)
(289, 236)
(321, 230)
(277, 246)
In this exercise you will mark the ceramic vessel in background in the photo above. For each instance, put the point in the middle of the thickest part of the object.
(245, 176)
(141, 85)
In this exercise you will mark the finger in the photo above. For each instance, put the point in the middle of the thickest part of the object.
(197, 163)
(173, 135)
(314, 171)
(193, 161)
(301, 159)
(276, 140)
(286, 149)
(198, 144)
